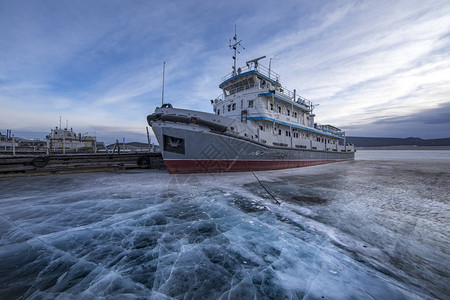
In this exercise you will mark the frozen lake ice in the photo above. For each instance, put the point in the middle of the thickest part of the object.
(373, 228)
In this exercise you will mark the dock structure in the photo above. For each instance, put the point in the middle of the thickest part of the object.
(72, 163)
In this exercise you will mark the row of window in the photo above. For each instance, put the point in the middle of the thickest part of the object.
(240, 86)
(231, 107)
(296, 134)
(322, 140)
(318, 139)
(288, 133)
(249, 83)
(246, 84)
(295, 114)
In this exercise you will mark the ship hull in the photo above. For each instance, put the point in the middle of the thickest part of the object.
(217, 166)
(188, 148)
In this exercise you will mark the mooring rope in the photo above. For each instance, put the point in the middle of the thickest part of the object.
(248, 167)
(276, 201)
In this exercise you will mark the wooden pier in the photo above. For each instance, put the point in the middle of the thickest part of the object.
(13, 165)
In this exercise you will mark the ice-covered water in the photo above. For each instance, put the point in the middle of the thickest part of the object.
(373, 228)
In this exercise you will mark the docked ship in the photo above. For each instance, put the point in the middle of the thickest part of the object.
(65, 140)
(257, 125)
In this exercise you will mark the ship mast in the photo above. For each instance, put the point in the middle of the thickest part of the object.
(164, 73)
(234, 47)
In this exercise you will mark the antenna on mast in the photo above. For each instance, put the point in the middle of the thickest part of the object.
(234, 47)
(164, 73)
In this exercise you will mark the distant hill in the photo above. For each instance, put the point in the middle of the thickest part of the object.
(386, 142)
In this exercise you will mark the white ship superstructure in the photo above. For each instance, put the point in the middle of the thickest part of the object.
(254, 96)
(63, 139)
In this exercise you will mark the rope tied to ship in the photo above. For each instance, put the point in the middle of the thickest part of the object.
(276, 201)
(259, 181)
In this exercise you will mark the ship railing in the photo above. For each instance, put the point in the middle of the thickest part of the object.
(303, 101)
(219, 98)
(260, 68)
(298, 99)
(268, 72)
(239, 89)
(327, 129)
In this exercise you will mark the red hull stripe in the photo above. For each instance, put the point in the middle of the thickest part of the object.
(214, 166)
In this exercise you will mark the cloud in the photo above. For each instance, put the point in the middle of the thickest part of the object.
(395, 66)
(431, 123)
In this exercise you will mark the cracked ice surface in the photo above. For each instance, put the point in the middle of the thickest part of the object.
(364, 229)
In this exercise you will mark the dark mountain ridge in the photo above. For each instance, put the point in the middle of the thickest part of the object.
(386, 142)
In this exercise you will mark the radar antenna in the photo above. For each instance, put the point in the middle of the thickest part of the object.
(254, 62)
(234, 46)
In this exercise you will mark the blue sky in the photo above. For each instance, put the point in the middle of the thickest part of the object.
(377, 68)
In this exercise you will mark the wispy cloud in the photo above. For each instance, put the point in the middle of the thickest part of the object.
(389, 64)
(430, 123)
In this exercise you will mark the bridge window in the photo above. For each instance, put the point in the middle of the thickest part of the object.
(295, 114)
(244, 84)
(279, 109)
(250, 103)
(229, 107)
(234, 106)
(271, 106)
(279, 131)
(218, 112)
(288, 112)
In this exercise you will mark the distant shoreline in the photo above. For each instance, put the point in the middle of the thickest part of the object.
(405, 148)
